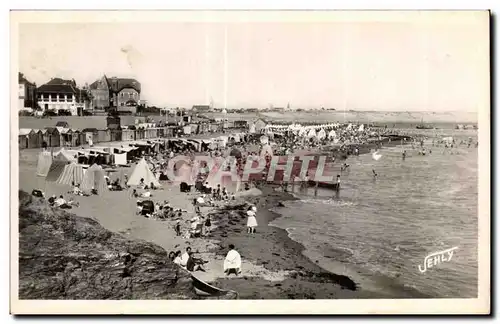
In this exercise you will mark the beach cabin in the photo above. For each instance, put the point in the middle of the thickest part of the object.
(52, 137)
(128, 135)
(152, 132)
(115, 135)
(139, 134)
(65, 134)
(36, 138)
(103, 135)
(88, 136)
(240, 124)
(203, 128)
(24, 138)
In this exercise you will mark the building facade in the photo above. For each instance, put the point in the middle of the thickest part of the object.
(99, 91)
(26, 94)
(121, 94)
(62, 95)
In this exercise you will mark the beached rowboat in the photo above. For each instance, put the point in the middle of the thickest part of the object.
(326, 185)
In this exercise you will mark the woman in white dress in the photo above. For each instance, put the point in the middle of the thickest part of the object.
(251, 221)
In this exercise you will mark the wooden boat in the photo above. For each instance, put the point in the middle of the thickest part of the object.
(423, 126)
(326, 185)
(206, 290)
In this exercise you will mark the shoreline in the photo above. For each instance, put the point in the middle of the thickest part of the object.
(273, 249)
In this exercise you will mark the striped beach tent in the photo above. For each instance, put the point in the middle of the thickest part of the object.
(44, 163)
(72, 173)
(94, 179)
(57, 167)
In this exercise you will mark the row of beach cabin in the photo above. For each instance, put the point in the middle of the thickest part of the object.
(67, 137)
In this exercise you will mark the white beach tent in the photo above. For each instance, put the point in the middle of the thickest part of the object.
(142, 171)
(321, 134)
(94, 179)
(312, 133)
(44, 162)
(332, 134)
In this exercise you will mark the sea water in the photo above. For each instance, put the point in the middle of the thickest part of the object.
(377, 231)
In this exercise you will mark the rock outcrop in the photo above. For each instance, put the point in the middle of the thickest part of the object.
(63, 256)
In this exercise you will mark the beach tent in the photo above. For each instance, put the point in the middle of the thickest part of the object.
(72, 172)
(94, 179)
(142, 171)
(68, 155)
(183, 173)
(321, 134)
(332, 134)
(361, 128)
(44, 163)
(59, 161)
(312, 133)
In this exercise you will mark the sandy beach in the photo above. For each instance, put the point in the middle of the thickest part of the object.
(273, 265)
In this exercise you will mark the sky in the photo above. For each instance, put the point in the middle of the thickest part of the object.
(424, 65)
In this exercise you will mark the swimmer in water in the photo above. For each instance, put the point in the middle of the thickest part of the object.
(404, 155)
(374, 175)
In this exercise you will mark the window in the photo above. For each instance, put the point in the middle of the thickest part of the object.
(122, 104)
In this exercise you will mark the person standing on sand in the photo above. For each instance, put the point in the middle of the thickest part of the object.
(177, 228)
(251, 221)
(232, 262)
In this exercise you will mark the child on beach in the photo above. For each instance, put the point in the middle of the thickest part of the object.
(251, 221)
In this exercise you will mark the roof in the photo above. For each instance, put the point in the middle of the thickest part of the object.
(22, 79)
(24, 131)
(51, 130)
(56, 88)
(62, 123)
(59, 81)
(89, 130)
(118, 84)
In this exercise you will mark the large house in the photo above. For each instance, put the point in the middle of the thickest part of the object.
(27, 93)
(59, 94)
(117, 93)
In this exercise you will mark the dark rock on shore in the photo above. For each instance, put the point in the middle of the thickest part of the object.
(63, 256)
